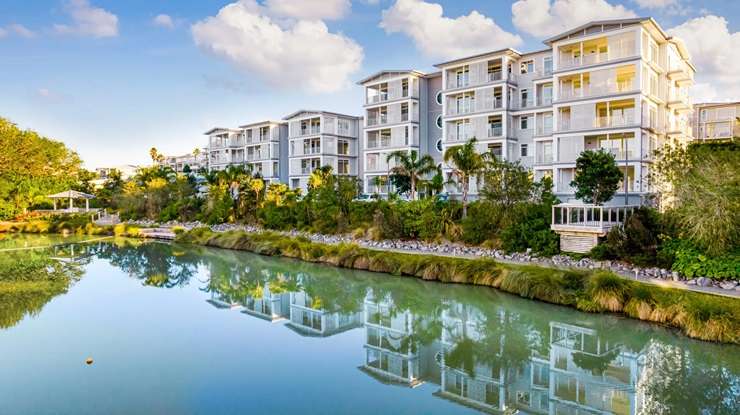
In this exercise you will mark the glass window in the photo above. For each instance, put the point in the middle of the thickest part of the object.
(548, 65)
(524, 123)
(439, 97)
(527, 67)
(523, 150)
(439, 121)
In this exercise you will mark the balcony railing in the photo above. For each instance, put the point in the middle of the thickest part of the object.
(594, 218)
(313, 130)
(459, 136)
(377, 120)
(497, 131)
(596, 90)
(543, 158)
(567, 61)
(622, 120)
(543, 130)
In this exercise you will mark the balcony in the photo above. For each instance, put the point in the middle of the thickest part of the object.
(473, 105)
(459, 136)
(313, 130)
(588, 218)
(377, 120)
(612, 54)
(495, 132)
(543, 158)
(611, 87)
(612, 121)
(543, 130)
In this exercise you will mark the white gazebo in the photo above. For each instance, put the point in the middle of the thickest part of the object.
(71, 195)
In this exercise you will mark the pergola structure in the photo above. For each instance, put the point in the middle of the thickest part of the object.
(71, 195)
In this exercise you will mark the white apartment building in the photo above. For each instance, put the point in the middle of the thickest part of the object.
(621, 85)
(716, 121)
(397, 108)
(192, 161)
(321, 138)
(264, 143)
(225, 147)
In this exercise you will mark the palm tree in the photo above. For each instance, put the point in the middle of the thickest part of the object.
(154, 154)
(466, 163)
(409, 165)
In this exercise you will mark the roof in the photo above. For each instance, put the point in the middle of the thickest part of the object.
(317, 112)
(391, 71)
(73, 194)
(580, 28)
(213, 130)
(509, 51)
(254, 124)
(716, 104)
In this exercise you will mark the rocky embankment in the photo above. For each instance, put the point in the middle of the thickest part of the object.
(461, 250)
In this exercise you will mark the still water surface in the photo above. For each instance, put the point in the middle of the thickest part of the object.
(191, 330)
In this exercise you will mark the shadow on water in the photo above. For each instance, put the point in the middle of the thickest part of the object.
(476, 347)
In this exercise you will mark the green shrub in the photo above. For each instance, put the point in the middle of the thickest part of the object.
(483, 223)
(530, 229)
(692, 262)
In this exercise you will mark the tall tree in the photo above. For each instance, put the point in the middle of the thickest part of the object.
(32, 167)
(409, 165)
(597, 176)
(466, 163)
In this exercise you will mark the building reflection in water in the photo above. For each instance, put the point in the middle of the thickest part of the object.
(491, 359)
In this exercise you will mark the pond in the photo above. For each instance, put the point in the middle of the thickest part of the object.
(180, 329)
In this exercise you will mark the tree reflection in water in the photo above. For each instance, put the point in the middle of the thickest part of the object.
(480, 348)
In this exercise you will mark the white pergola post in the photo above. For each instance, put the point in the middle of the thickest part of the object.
(54, 201)
(70, 203)
(87, 205)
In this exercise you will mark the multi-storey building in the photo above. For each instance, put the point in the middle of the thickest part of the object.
(321, 138)
(397, 108)
(225, 147)
(194, 162)
(264, 144)
(716, 121)
(618, 85)
(622, 86)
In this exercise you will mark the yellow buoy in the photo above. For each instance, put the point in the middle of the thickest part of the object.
(89, 360)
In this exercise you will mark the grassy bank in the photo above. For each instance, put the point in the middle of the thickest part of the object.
(697, 315)
(78, 225)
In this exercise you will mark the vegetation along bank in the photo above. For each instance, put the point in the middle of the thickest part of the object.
(699, 316)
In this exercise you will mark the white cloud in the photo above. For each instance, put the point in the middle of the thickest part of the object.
(164, 20)
(89, 20)
(309, 9)
(655, 4)
(545, 18)
(714, 51)
(444, 37)
(3, 32)
(21, 30)
(302, 54)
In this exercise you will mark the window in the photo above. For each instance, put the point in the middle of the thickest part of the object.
(461, 76)
(439, 121)
(439, 145)
(343, 147)
(343, 166)
(526, 67)
(524, 123)
(439, 98)
(496, 149)
(525, 98)
(406, 136)
(548, 65)
(523, 150)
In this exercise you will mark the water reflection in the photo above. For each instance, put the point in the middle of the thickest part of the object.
(471, 346)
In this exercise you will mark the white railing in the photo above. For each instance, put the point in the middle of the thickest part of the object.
(567, 61)
(601, 218)
(622, 120)
(496, 131)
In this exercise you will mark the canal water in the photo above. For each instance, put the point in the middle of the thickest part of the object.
(177, 329)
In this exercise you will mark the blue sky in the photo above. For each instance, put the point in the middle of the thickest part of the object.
(113, 78)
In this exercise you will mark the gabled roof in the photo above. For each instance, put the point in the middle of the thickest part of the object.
(215, 129)
(505, 51)
(71, 194)
(317, 112)
(628, 21)
(255, 124)
(391, 72)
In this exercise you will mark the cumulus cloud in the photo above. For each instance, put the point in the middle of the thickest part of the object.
(163, 20)
(655, 4)
(21, 30)
(443, 37)
(714, 51)
(88, 20)
(309, 9)
(545, 18)
(300, 54)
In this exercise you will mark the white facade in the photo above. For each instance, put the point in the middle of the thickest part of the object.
(620, 85)
(395, 112)
(716, 121)
(320, 138)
